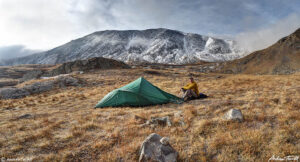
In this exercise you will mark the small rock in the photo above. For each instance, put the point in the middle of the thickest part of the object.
(178, 114)
(181, 123)
(164, 140)
(25, 116)
(218, 77)
(163, 121)
(234, 114)
(152, 149)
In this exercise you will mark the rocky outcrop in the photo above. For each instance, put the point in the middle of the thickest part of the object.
(34, 74)
(157, 148)
(13, 93)
(234, 114)
(17, 72)
(86, 65)
(76, 66)
(38, 87)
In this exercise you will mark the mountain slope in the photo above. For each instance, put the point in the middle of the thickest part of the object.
(135, 46)
(282, 57)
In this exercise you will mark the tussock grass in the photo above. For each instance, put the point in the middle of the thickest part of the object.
(66, 127)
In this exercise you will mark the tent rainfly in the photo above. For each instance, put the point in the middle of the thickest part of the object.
(137, 93)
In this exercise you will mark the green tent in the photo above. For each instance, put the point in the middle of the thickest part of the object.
(137, 93)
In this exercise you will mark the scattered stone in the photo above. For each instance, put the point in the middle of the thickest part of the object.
(25, 116)
(234, 114)
(153, 149)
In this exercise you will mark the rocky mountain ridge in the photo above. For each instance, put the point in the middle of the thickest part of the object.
(136, 46)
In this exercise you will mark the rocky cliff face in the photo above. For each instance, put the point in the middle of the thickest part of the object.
(136, 46)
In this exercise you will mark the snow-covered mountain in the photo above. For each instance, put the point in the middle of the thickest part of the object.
(136, 46)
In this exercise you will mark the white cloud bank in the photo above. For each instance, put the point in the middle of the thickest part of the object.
(8, 52)
(37, 24)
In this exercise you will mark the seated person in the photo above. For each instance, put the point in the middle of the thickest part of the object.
(190, 91)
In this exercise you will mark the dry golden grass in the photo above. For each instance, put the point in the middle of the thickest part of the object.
(65, 127)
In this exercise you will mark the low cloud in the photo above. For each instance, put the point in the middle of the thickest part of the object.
(262, 38)
(8, 52)
(44, 24)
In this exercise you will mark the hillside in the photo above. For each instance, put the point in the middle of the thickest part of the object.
(62, 124)
(136, 46)
(282, 57)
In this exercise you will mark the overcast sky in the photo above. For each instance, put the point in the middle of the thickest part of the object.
(44, 24)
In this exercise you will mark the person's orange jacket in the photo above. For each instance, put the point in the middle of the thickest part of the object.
(193, 86)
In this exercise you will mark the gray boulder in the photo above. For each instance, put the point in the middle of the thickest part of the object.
(13, 93)
(234, 114)
(155, 148)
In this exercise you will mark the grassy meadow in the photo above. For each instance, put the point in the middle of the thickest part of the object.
(64, 126)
